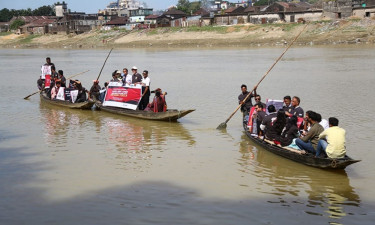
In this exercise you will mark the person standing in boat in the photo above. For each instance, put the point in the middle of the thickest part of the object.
(310, 140)
(287, 107)
(145, 91)
(136, 77)
(48, 62)
(126, 77)
(62, 78)
(246, 106)
(296, 110)
(332, 141)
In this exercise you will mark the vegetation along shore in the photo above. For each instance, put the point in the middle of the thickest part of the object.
(327, 32)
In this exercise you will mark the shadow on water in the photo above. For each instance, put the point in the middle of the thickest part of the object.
(319, 192)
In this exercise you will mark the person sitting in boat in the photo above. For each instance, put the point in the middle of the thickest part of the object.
(62, 78)
(332, 141)
(81, 97)
(103, 92)
(258, 99)
(287, 103)
(268, 120)
(296, 110)
(158, 104)
(54, 74)
(289, 133)
(259, 115)
(277, 126)
(136, 77)
(55, 89)
(246, 106)
(309, 141)
(94, 90)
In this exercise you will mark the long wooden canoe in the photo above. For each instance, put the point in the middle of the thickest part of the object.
(170, 115)
(67, 104)
(301, 156)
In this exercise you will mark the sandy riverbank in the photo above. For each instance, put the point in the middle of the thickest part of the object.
(352, 31)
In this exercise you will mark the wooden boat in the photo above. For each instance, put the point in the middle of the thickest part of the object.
(301, 156)
(169, 115)
(67, 104)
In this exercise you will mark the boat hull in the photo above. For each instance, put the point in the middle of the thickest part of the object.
(66, 104)
(306, 159)
(171, 115)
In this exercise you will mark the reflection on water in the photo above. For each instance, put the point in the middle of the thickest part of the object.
(328, 193)
(132, 139)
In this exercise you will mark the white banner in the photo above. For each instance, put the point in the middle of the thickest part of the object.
(46, 70)
(61, 94)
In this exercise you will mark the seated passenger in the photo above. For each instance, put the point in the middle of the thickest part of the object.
(258, 99)
(296, 110)
(268, 120)
(81, 97)
(94, 90)
(259, 115)
(290, 132)
(40, 83)
(309, 142)
(158, 104)
(103, 92)
(55, 89)
(332, 141)
(277, 127)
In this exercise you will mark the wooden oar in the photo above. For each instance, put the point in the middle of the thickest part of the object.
(66, 78)
(104, 64)
(224, 124)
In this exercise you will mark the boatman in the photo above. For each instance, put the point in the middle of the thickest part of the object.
(246, 106)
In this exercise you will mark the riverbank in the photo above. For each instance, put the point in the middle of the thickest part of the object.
(351, 31)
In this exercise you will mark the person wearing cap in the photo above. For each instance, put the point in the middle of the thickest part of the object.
(145, 91)
(94, 92)
(136, 77)
(115, 76)
(55, 89)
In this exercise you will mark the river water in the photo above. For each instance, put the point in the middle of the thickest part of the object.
(60, 166)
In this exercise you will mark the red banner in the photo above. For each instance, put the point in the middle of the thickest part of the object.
(123, 96)
(47, 81)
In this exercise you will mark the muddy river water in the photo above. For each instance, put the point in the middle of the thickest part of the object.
(60, 166)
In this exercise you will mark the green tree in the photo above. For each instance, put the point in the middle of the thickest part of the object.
(16, 24)
(183, 5)
(45, 10)
(5, 15)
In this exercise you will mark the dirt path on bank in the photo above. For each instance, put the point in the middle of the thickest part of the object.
(319, 33)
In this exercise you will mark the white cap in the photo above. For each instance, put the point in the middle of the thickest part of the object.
(134, 68)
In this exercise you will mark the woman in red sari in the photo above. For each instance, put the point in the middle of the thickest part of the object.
(158, 104)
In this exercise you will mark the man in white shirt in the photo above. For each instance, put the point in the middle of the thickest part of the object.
(145, 91)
